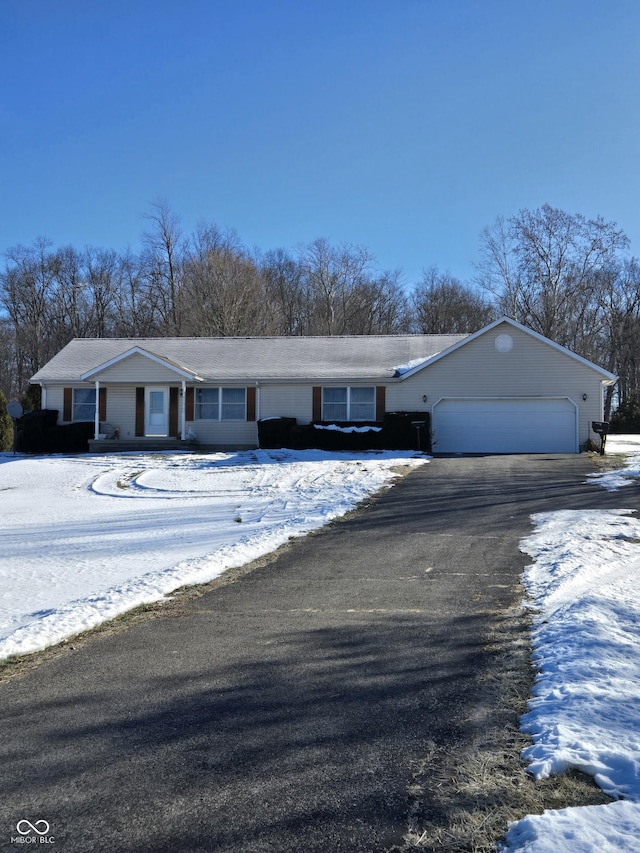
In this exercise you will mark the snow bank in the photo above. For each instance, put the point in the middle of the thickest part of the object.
(592, 829)
(585, 712)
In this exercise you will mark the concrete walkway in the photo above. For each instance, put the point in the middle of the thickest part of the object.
(286, 711)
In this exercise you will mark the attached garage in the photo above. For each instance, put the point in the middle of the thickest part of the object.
(513, 425)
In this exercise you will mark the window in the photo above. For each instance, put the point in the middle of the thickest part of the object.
(233, 404)
(221, 404)
(334, 404)
(207, 404)
(84, 404)
(348, 404)
(362, 404)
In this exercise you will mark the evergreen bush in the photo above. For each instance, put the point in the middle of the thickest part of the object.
(6, 425)
(626, 419)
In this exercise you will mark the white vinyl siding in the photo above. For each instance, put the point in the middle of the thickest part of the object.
(348, 404)
(139, 369)
(285, 401)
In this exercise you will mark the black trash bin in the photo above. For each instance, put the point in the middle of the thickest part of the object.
(275, 432)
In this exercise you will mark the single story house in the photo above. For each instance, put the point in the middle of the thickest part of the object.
(503, 389)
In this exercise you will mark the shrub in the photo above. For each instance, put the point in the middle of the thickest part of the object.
(6, 425)
(626, 419)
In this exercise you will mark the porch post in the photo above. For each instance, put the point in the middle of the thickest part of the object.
(183, 410)
(97, 411)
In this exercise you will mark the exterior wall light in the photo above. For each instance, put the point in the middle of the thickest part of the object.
(424, 398)
(584, 396)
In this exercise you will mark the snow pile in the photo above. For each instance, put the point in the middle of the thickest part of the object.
(86, 538)
(401, 369)
(629, 473)
(585, 712)
(591, 829)
(337, 428)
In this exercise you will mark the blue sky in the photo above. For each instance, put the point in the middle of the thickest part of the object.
(406, 126)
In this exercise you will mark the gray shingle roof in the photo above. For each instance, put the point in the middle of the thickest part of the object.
(256, 359)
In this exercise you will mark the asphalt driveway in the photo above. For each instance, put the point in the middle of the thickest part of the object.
(290, 709)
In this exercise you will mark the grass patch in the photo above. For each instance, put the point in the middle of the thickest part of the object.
(608, 462)
(125, 482)
(467, 797)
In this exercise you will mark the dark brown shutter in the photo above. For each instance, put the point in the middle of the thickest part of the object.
(251, 403)
(67, 411)
(317, 403)
(189, 404)
(139, 411)
(173, 412)
(380, 402)
(102, 404)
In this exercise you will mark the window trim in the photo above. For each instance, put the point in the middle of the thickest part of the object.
(75, 406)
(220, 404)
(349, 388)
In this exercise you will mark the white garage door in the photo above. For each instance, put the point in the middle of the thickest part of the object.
(518, 425)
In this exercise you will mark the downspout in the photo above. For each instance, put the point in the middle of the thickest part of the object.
(43, 396)
(183, 410)
(258, 411)
(97, 412)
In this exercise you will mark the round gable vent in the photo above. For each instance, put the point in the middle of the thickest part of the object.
(504, 343)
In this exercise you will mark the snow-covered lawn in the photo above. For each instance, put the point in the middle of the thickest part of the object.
(585, 712)
(85, 538)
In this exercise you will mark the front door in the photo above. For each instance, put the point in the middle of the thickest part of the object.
(156, 419)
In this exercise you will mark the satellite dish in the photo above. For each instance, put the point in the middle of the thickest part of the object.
(15, 409)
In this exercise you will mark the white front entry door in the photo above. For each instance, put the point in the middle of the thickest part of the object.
(156, 411)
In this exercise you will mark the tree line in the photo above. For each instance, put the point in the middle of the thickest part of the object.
(567, 277)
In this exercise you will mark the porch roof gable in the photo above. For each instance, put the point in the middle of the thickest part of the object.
(179, 369)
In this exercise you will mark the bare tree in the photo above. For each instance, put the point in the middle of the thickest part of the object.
(544, 266)
(103, 281)
(286, 300)
(9, 369)
(162, 256)
(69, 307)
(619, 343)
(332, 275)
(442, 305)
(223, 293)
(378, 306)
(135, 315)
(27, 291)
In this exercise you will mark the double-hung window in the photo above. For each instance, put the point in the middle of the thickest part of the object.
(220, 404)
(348, 404)
(84, 404)
(207, 404)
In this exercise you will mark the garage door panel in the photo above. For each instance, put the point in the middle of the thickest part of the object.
(475, 425)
